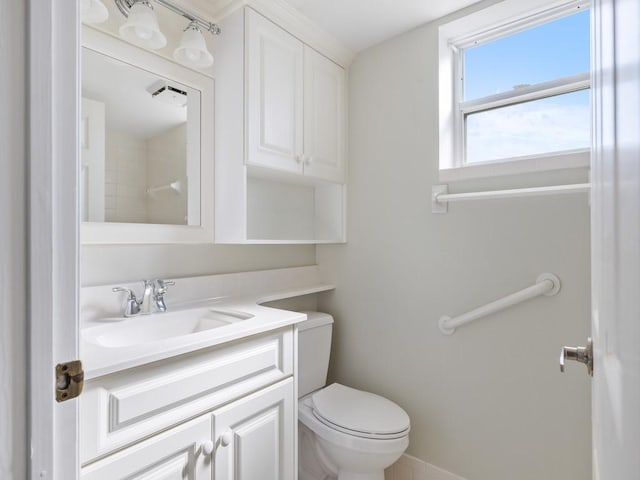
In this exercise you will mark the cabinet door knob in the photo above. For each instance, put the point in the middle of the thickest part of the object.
(225, 438)
(299, 158)
(308, 159)
(208, 447)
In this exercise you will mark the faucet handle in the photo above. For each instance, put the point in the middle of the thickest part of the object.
(160, 290)
(132, 307)
(161, 286)
(130, 294)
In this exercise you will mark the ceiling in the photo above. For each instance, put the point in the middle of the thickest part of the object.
(125, 90)
(357, 24)
(360, 24)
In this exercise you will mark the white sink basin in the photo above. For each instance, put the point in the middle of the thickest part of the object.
(120, 332)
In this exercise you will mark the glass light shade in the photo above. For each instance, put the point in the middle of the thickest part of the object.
(93, 11)
(192, 50)
(141, 27)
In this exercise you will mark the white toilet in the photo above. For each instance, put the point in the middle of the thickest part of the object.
(344, 433)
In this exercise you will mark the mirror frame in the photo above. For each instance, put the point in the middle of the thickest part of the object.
(101, 233)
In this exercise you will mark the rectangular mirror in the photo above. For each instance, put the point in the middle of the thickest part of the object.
(147, 146)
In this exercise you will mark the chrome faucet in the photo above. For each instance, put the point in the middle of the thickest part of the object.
(146, 304)
(152, 298)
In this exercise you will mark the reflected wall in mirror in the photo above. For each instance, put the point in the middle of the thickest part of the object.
(147, 156)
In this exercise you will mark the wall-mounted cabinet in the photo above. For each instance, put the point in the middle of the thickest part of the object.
(295, 102)
(280, 136)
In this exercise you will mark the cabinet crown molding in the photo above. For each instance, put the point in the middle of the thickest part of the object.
(288, 18)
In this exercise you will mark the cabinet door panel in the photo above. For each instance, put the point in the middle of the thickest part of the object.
(324, 114)
(173, 455)
(274, 95)
(261, 434)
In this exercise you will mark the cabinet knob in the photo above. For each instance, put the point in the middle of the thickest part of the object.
(299, 158)
(225, 438)
(208, 447)
(308, 159)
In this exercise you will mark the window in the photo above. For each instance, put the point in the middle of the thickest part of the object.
(514, 90)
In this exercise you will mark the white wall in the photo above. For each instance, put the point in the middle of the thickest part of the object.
(125, 263)
(13, 319)
(489, 402)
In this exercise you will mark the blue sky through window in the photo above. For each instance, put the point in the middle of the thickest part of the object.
(546, 52)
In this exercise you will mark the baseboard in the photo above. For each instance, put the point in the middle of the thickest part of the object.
(411, 468)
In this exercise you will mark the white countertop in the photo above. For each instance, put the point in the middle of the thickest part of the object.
(100, 360)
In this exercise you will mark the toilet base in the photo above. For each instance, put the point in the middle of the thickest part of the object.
(316, 463)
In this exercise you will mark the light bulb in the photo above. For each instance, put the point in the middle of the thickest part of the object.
(93, 11)
(143, 33)
(192, 54)
(141, 27)
(192, 50)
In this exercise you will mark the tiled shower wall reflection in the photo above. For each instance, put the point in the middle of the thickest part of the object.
(132, 165)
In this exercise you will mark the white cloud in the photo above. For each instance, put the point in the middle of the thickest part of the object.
(527, 129)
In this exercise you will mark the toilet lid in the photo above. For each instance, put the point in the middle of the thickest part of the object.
(363, 413)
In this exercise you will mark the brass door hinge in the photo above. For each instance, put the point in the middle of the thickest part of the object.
(69, 380)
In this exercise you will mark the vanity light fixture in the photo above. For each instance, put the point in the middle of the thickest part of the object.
(192, 50)
(93, 11)
(141, 28)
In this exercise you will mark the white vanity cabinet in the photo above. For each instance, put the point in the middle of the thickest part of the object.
(280, 136)
(295, 103)
(228, 410)
(174, 454)
(254, 437)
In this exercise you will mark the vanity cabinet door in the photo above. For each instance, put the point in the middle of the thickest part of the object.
(274, 79)
(174, 454)
(256, 436)
(324, 117)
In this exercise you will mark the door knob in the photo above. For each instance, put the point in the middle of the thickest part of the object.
(578, 354)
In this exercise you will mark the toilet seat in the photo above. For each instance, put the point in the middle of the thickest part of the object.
(358, 413)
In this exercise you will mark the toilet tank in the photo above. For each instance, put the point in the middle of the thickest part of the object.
(314, 347)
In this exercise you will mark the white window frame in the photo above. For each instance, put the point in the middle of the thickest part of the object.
(502, 19)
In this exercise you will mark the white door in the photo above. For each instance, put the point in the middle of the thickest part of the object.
(324, 115)
(255, 436)
(54, 39)
(274, 95)
(615, 238)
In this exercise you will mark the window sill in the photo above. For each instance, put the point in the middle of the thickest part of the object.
(538, 163)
